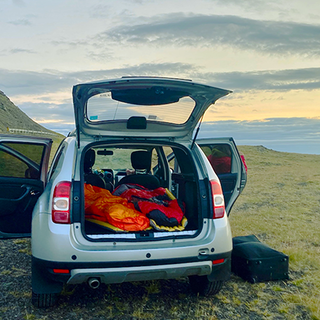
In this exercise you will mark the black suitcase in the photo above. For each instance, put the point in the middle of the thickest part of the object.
(255, 262)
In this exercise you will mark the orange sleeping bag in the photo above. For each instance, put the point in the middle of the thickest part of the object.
(101, 205)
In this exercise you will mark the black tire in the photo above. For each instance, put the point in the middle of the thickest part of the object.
(201, 285)
(44, 300)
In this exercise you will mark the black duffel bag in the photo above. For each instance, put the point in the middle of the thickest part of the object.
(255, 262)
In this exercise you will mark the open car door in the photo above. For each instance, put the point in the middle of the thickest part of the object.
(227, 163)
(23, 172)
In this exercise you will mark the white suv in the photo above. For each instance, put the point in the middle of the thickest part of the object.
(129, 195)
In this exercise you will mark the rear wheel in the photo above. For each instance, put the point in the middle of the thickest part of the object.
(44, 300)
(202, 285)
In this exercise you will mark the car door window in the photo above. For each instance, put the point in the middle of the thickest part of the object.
(21, 185)
(219, 156)
(57, 162)
(11, 166)
(20, 160)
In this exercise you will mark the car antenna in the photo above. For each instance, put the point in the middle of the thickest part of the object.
(196, 133)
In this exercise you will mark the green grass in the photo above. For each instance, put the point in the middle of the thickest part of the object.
(281, 205)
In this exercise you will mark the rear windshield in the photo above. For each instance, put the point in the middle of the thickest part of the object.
(154, 104)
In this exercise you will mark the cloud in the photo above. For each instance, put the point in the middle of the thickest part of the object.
(246, 3)
(70, 43)
(15, 82)
(21, 22)
(301, 135)
(177, 29)
(19, 3)
(56, 117)
(18, 82)
(20, 50)
(284, 134)
(9, 52)
(291, 79)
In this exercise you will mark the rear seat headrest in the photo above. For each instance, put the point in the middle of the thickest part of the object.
(141, 160)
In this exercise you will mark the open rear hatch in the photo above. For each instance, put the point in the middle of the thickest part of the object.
(141, 107)
(138, 113)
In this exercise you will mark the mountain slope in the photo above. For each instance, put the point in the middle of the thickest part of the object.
(11, 117)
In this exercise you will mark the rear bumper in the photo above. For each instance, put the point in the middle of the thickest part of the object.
(48, 274)
(128, 274)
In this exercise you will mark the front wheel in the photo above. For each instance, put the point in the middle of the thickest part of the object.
(44, 300)
(202, 285)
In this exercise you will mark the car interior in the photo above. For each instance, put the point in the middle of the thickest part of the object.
(151, 167)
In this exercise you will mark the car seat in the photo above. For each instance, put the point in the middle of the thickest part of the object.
(141, 162)
(89, 176)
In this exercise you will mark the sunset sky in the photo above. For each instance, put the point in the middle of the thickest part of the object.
(266, 52)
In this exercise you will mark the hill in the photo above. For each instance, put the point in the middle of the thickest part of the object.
(11, 117)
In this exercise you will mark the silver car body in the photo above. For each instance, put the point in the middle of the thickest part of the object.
(68, 253)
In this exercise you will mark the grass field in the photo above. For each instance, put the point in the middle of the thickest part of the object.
(280, 205)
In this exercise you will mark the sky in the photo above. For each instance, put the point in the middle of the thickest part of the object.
(266, 51)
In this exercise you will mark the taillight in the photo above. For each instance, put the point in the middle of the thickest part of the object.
(61, 202)
(218, 200)
(219, 261)
(61, 271)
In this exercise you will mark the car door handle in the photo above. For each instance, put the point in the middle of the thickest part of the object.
(203, 252)
(25, 192)
(34, 193)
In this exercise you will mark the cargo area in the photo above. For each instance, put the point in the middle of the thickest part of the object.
(140, 191)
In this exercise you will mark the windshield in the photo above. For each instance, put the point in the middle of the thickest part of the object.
(113, 158)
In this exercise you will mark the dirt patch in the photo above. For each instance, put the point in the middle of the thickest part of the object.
(163, 299)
